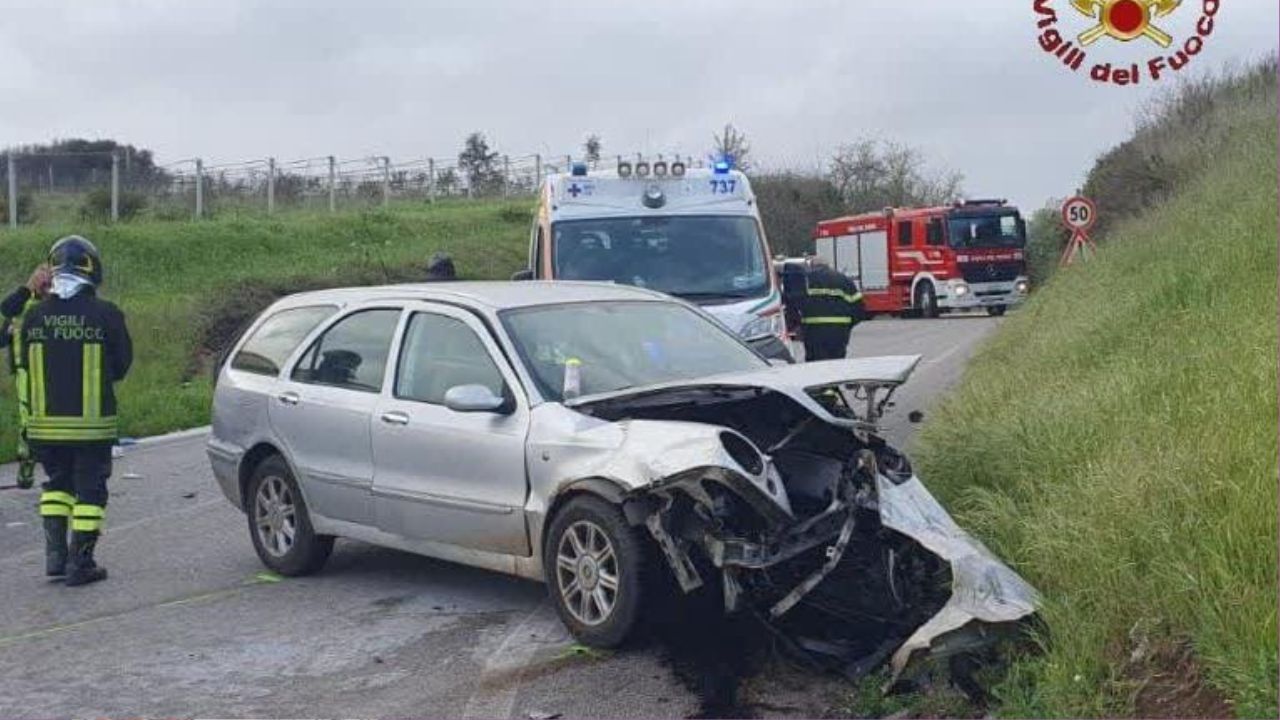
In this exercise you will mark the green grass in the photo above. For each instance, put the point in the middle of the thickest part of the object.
(1116, 442)
(166, 275)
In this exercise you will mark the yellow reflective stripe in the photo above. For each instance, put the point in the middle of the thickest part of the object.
(88, 406)
(56, 503)
(35, 368)
(83, 525)
(40, 433)
(828, 321)
(84, 510)
(88, 518)
(76, 421)
(833, 292)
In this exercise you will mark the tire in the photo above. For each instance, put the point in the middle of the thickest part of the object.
(590, 617)
(926, 300)
(275, 506)
(996, 310)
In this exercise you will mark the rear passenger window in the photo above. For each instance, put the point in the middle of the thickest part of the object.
(270, 345)
(933, 235)
(352, 354)
(904, 233)
(439, 353)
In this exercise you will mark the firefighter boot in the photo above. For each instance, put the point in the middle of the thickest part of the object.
(82, 569)
(55, 546)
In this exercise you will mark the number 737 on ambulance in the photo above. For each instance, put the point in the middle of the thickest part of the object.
(692, 233)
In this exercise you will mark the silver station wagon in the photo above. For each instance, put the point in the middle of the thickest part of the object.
(607, 440)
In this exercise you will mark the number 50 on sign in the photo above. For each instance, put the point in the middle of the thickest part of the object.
(1079, 214)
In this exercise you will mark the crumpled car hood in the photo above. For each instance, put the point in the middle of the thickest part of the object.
(791, 379)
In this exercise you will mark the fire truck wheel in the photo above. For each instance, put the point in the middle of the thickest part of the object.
(996, 310)
(926, 300)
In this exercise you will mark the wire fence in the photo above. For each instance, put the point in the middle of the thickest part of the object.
(119, 185)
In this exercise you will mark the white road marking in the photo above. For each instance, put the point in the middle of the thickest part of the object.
(539, 629)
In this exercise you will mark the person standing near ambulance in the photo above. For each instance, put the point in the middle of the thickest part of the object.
(77, 347)
(831, 307)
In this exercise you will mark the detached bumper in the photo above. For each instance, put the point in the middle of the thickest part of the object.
(983, 589)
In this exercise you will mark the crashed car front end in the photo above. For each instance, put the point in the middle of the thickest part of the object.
(774, 489)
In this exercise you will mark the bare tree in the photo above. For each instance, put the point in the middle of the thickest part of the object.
(871, 175)
(732, 145)
(592, 148)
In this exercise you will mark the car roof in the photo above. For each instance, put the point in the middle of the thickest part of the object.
(491, 295)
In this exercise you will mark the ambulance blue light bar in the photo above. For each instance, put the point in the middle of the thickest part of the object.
(579, 169)
(722, 167)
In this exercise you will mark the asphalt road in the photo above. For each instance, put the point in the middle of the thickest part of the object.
(189, 624)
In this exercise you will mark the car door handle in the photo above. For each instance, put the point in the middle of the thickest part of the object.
(289, 398)
(395, 418)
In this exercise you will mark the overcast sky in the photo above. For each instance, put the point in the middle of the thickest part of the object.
(231, 80)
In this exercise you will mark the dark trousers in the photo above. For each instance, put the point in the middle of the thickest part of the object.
(825, 342)
(79, 470)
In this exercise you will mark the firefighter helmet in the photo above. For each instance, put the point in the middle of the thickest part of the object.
(77, 256)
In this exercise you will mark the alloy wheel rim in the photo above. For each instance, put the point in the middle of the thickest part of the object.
(275, 516)
(587, 572)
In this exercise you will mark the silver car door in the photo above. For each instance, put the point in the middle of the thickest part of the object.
(322, 411)
(443, 475)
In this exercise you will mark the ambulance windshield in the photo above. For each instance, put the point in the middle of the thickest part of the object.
(697, 257)
(986, 231)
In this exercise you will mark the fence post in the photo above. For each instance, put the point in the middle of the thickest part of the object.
(199, 188)
(537, 172)
(115, 186)
(506, 175)
(333, 184)
(271, 185)
(13, 192)
(51, 175)
(386, 180)
(431, 180)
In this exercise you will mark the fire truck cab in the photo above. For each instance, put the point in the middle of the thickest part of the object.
(689, 232)
(924, 261)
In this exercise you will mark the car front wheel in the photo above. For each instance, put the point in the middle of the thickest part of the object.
(279, 523)
(594, 563)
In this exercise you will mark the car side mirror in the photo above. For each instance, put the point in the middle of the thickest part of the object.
(474, 398)
(525, 274)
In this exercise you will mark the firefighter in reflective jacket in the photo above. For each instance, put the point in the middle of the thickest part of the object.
(76, 348)
(832, 306)
(14, 308)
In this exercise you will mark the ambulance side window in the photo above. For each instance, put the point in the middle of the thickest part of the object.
(933, 233)
(904, 233)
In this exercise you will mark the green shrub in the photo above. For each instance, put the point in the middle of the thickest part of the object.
(97, 204)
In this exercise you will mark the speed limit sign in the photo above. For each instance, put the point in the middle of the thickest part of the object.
(1079, 213)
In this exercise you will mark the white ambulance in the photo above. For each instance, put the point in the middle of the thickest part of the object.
(689, 232)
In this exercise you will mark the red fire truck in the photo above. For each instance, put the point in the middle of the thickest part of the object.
(923, 261)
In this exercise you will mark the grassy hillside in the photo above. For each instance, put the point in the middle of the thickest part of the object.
(1117, 440)
(175, 280)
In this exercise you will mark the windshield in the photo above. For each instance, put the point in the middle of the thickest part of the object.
(984, 231)
(696, 257)
(619, 345)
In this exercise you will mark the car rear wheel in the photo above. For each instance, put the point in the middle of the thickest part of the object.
(594, 565)
(926, 300)
(996, 310)
(279, 523)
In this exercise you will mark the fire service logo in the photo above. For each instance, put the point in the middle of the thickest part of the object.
(1155, 28)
